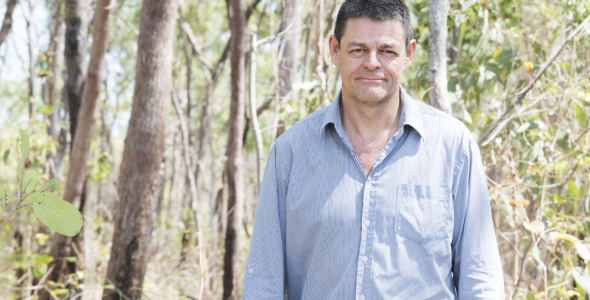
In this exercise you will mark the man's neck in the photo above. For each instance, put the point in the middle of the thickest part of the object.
(370, 122)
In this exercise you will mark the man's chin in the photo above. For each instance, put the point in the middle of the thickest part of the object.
(371, 97)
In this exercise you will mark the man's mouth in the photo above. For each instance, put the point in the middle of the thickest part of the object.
(371, 79)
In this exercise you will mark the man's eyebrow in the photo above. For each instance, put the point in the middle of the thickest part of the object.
(362, 45)
(387, 45)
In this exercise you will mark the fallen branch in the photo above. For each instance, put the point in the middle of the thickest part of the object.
(524, 91)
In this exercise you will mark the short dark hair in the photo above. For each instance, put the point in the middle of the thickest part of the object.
(376, 10)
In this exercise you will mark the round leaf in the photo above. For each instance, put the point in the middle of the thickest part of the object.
(30, 181)
(56, 213)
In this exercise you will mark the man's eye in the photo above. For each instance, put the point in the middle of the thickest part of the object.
(357, 50)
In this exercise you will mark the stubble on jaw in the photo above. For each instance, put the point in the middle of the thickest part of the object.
(367, 97)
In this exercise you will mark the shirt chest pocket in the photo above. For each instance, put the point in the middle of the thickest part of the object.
(423, 213)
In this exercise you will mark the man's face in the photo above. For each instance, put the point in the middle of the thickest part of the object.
(372, 57)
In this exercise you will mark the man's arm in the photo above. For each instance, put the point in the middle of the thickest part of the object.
(265, 268)
(477, 269)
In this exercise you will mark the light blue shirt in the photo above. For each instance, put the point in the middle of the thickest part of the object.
(418, 227)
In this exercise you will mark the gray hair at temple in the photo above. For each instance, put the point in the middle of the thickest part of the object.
(376, 10)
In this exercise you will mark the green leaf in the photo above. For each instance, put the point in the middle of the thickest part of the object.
(494, 68)
(24, 153)
(30, 181)
(44, 259)
(49, 184)
(581, 114)
(530, 295)
(5, 157)
(466, 115)
(582, 278)
(56, 213)
(505, 58)
(61, 292)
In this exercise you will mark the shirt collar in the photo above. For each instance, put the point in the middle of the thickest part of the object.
(410, 115)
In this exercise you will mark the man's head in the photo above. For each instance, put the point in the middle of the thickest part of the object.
(372, 45)
(376, 10)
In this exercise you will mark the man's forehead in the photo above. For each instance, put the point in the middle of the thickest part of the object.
(390, 43)
(363, 30)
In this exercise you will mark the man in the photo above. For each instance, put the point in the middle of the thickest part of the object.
(376, 196)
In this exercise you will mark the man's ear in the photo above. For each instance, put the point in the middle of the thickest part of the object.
(334, 50)
(410, 49)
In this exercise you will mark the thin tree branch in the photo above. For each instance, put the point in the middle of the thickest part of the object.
(197, 51)
(212, 73)
(250, 9)
(521, 94)
(127, 23)
(194, 191)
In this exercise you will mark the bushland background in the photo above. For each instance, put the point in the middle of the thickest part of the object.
(159, 127)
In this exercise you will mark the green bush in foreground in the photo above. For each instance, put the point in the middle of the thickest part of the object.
(48, 207)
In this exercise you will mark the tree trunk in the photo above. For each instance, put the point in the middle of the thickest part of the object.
(7, 23)
(454, 48)
(234, 150)
(32, 54)
(76, 19)
(140, 167)
(253, 115)
(437, 43)
(289, 61)
(49, 89)
(60, 245)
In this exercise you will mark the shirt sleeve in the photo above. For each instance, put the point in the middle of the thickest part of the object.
(265, 268)
(477, 269)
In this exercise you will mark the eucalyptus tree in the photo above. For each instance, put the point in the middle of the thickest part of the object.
(7, 22)
(234, 162)
(80, 151)
(437, 42)
(76, 19)
(139, 176)
(289, 55)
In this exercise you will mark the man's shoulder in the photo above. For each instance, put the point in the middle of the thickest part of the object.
(439, 124)
(304, 130)
(434, 114)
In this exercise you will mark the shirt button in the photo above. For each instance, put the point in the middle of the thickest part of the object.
(365, 259)
(367, 222)
(362, 297)
(251, 271)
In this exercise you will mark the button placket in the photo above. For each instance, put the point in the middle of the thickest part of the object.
(363, 259)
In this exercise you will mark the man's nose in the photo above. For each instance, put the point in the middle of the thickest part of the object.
(372, 61)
